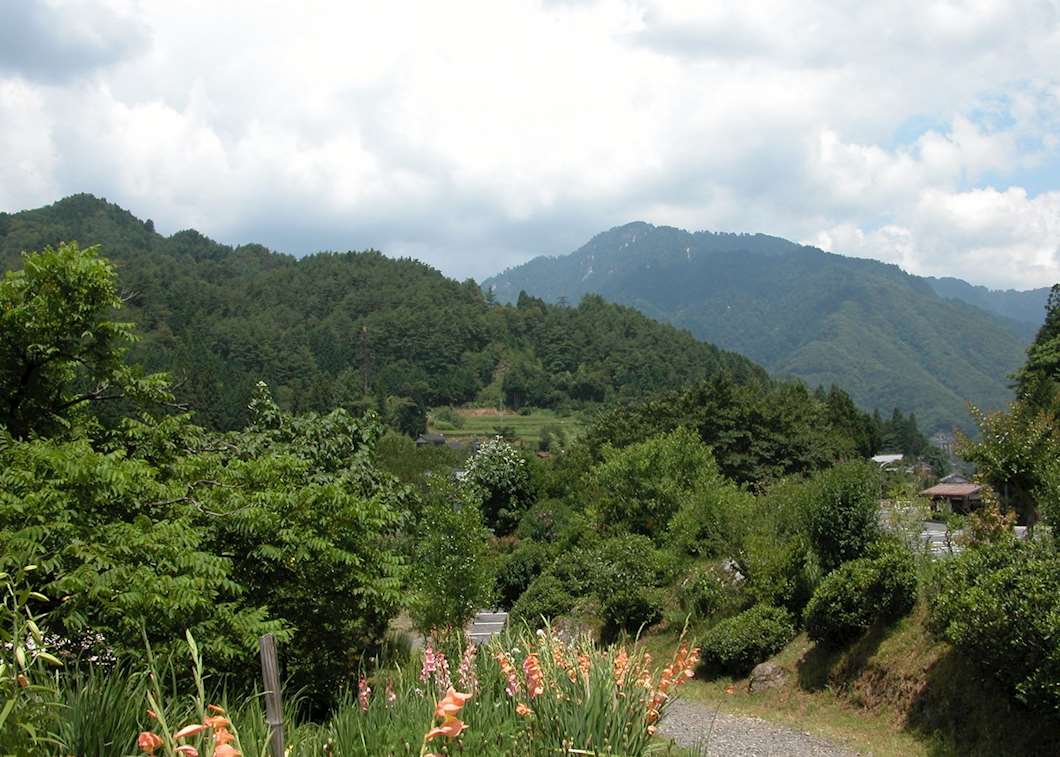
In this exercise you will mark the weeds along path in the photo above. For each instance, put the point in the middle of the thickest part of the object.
(694, 725)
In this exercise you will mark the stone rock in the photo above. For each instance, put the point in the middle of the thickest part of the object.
(767, 675)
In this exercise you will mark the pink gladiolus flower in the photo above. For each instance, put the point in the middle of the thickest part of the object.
(363, 692)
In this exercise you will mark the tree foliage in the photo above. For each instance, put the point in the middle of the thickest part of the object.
(357, 330)
(151, 525)
(497, 477)
(640, 488)
(842, 513)
(59, 348)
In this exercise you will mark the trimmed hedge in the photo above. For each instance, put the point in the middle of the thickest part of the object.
(519, 569)
(999, 605)
(861, 592)
(736, 645)
(544, 599)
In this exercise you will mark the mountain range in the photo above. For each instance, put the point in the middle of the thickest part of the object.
(889, 338)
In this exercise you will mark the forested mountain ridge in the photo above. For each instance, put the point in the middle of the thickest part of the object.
(1026, 307)
(321, 329)
(884, 335)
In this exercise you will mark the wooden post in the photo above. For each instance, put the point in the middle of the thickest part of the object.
(270, 676)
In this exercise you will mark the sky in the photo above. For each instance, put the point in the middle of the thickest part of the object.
(477, 135)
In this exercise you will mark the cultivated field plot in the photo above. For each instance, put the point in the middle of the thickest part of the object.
(482, 423)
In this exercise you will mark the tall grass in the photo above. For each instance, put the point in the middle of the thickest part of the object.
(99, 712)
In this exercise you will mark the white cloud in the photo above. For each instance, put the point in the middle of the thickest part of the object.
(478, 134)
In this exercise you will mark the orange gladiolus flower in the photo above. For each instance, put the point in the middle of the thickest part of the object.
(217, 721)
(224, 750)
(447, 710)
(522, 710)
(148, 742)
(189, 730)
(187, 750)
(451, 704)
(215, 709)
(450, 728)
(534, 680)
(223, 736)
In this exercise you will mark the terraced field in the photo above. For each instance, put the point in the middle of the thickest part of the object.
(482, 423)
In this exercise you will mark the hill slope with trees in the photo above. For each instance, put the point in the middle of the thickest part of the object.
(883, 335)
(357, 329)
(1023, 307)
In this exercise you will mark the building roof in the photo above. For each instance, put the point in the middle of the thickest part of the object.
(886, 459)
(952, 490)
(430, 438)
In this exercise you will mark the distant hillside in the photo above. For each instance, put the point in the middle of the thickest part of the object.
(1026, 308)
(883, 335)
(322, 329)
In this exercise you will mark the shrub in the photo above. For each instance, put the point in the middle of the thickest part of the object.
(519, 569)
(999, 604)
(544, 521)
(628, 608)
(712, 520)
(629, 560)
(860, 593)
(700, 593)
(779, 572)
(545, 598)
(842, 513)
(639, 488)
(738, 644)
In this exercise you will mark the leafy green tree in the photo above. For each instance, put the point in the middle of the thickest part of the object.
(842, 513)
(1038, 382)
(1014, 453)
(60, 351)
(639, 488)
(157, 526)
(310, 524)
(453, 570)
(117, 538)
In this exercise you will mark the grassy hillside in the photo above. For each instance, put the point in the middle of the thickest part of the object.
(896, 692)
(882, 334)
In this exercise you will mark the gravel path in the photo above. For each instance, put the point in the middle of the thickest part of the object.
(689, 724)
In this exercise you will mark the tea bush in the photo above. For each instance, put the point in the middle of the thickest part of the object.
(860, 593)
(546, 598)
(999, 605)
(739, 643)
(629, 608)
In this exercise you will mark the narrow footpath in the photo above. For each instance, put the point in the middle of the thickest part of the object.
(693, 725)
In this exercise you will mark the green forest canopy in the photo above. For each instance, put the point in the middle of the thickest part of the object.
(323, 329)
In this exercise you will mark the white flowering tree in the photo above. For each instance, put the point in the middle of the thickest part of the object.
(498, 478)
